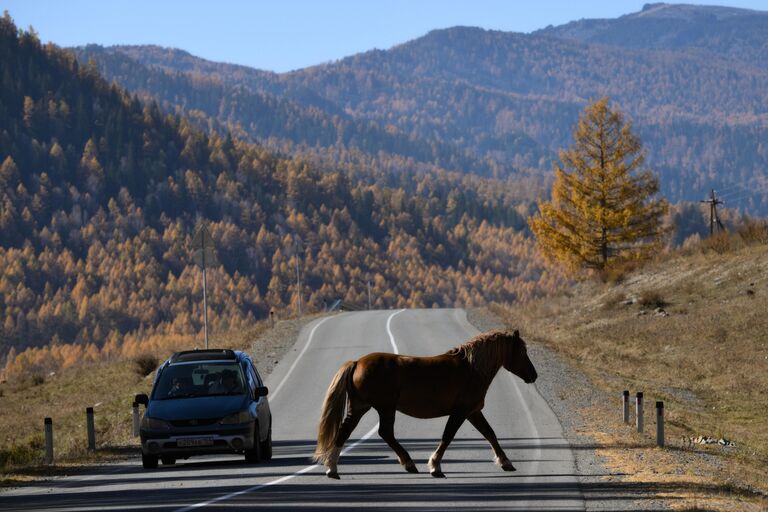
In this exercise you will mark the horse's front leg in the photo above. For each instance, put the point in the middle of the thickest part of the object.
(387, 433)
(481, 424)
(454, 422)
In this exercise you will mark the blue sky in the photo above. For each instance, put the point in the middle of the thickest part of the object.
(281, 35)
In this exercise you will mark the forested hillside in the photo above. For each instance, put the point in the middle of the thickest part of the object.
(101, 193)
(511, 100)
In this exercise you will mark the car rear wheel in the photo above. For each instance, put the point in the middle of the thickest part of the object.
(254, 454)
(148, 461)
(266, 445)
(167, 461)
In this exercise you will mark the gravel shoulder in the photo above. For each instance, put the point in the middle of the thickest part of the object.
(576, 402)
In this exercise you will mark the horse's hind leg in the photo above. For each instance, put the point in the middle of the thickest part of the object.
(454, 422)
(387, 433)
(355, 411)
(481, 424)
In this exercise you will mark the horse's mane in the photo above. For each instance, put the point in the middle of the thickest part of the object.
(485, 352)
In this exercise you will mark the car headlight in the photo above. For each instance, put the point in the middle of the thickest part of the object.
(154, 424)
(237, 418)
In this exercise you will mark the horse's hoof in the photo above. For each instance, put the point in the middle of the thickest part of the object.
(411, 467)
(507, 466)
(333, 474)
(438, 474)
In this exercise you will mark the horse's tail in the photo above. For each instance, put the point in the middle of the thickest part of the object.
(333, 411)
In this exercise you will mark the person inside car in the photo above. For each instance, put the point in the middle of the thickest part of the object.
(227, 385)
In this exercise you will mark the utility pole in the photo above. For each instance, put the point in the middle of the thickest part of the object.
(369, 294)
(713, 201)
(298, 280)
(204, 255)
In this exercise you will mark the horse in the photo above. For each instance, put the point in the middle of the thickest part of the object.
(452, 384)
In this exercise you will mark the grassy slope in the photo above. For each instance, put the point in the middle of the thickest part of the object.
(707, 360)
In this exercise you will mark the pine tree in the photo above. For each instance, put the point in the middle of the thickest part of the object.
(604, 206)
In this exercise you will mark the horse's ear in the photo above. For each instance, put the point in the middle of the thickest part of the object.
(516, 334)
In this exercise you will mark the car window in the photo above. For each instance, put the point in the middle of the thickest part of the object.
(255, 375)
(189, 380)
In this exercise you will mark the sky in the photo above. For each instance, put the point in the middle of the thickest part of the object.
(281, 35)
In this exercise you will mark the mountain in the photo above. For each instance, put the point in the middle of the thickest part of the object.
(510, 101)
(738, 34)
(100, 195)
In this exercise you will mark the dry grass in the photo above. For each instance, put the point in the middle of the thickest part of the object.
(707, 360)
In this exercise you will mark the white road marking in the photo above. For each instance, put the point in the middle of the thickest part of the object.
(313, 466)
(389, 330)
(274, 393)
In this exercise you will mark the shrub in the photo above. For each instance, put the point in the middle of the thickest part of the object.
(754, 232)
(144, 364)
(38, 379)
(652, 299)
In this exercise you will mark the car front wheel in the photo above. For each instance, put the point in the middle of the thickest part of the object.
(148, 461)
(266, 445)
(254, 454)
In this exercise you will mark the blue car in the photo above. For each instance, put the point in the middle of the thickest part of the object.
(202, 402)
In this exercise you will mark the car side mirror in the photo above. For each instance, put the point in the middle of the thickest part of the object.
(261, 391)
(141, 398)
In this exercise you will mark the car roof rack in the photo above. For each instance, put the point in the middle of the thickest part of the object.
(204, 355)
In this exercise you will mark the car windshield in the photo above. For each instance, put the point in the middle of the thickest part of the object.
(190, 380)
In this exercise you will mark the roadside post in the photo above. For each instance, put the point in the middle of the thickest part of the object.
(90, 428)
(272, 317)
(135, 407)
(660, 424)
(625, 406)
(639, 410)
(48, 441)
(204, 255)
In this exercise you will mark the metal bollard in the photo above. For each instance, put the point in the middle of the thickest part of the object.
(135, 407)
(91, 429)
(639, 410)
(625, 401)
(660, 424)
(48, 441)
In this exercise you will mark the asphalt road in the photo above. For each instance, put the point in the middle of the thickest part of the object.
(370, 475)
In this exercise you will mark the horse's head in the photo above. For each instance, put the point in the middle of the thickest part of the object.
(517, 360)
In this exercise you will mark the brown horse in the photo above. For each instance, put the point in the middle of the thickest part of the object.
(453, 384)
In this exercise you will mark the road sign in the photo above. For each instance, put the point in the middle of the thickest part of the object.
(204, 258)
(203, 253)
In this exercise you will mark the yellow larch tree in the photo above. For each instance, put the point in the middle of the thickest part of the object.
(604, 205)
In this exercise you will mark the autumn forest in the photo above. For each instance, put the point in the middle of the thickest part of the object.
(101, 194)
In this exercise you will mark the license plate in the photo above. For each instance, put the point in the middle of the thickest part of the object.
(194, 441)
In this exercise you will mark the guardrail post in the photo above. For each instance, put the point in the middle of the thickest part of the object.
(135, 408)
(639, 410)
(660, 424)
(48, 441)
(625, 405)
(91, 429)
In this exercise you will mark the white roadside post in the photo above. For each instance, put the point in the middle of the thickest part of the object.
(48, 441)
(660, 424)
(90, 428)
(639, 410)
(135, 407)
(625, 406)
(204, 255)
